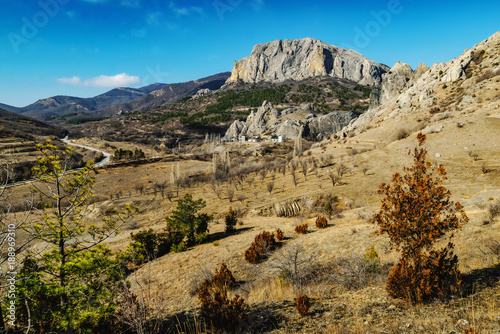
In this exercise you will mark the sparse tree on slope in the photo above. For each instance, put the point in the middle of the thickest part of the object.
(70, 286)
(417, 212)
(185, 219)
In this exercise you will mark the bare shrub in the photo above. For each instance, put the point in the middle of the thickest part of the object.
(333, 177)
(270, 186)
(139, 188)
(230, 194)
(474, 155)
(494, 211)
(292, 264)
(303, 164)
(494, 247)
(402, 134)
(354, 272)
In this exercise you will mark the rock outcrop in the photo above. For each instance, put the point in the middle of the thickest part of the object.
(404, 91)
(299, 59)
(290, 123)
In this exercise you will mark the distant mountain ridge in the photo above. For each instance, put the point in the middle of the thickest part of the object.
(118, 100)
(59, 105)
(168, 94)
(299, 59)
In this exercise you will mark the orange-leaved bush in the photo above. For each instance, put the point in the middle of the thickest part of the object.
(263, 243)
(218, 310)
(416, 212)
(301, 229)
(302, 304)
(321, 222)
(280, 235)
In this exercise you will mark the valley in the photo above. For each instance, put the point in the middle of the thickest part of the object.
(273, 185)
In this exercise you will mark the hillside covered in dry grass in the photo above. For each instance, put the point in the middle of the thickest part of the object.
(274, 186)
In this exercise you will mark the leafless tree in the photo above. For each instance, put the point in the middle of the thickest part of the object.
(142, 311)
(333, 177)
(263, 174)
(292, 263)
(294, 178)
(303, 164)
(341, 170)
(270, 186)
(230, 194)
(240, 197)
(139, 188)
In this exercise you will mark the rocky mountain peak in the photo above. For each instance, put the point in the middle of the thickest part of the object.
(282, 60)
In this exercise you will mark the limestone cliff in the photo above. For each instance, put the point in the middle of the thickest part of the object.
(290, 123)
(299, 59)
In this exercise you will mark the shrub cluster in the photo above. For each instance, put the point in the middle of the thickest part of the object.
(121, 154)
(321, 222)
(219, 311)
(302, 305)
(301, 229)
(147, 245)
(263, 243)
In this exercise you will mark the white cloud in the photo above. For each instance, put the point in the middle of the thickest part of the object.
(75, 81)
(118, 80)
(185, 11)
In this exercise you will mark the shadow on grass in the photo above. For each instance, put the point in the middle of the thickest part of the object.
(259, 319)
(222, 235)
(479, 279)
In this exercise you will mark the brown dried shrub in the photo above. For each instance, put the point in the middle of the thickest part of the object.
(301, 229)
(280, 235)
(416, 213)
(302, 305)
(321, 222)
(425, 278)
(262, 245)
(223, 278)
(220, 312)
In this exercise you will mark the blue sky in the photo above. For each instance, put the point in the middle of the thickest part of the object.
(86, 47)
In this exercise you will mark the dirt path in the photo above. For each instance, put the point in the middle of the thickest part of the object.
(107, 156)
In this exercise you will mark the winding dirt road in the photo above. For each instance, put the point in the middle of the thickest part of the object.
(107, 157)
